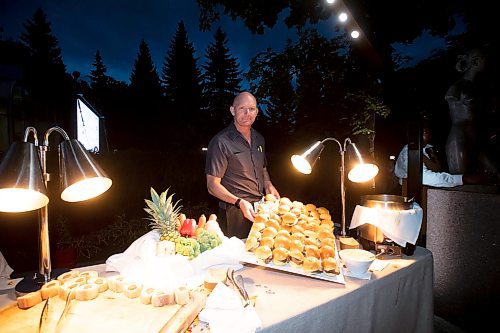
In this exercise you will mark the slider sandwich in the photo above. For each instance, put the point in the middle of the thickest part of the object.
(296, 258)
(311, 265)
(280, 256)
(330, 266)
(264, 253)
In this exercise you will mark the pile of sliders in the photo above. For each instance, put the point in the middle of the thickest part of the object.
(87, 285)
(288, 232)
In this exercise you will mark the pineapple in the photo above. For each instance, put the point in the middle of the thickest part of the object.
(164, 215)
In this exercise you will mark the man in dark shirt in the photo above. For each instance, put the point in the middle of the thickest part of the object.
(236, 168)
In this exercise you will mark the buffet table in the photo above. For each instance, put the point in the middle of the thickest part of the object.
(397, 299)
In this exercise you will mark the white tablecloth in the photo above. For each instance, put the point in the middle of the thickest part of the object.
(396, 299)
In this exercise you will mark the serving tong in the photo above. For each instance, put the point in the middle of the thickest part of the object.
(239, 285)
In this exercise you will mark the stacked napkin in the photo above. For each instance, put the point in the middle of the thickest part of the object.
(224, 312)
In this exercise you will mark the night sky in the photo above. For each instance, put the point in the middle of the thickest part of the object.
(116, 27)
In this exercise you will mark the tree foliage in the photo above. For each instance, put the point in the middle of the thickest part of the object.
(221, 81)
(46, 75)
(181, 82)
(144, 80)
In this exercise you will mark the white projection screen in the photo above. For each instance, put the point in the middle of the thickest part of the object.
(87, 124)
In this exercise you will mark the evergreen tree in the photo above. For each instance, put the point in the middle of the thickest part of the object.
(144, 80)
(98, 78)
(181, 79)
(46, 75)
(221, 80)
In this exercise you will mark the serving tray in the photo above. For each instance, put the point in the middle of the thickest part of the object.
(250, 258)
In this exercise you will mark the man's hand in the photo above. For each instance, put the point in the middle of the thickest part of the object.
(271, 189)
(247, 209)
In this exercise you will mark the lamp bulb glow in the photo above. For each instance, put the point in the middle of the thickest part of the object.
(301, 164)
(330, 1)
(363, 172)
(86, 189)
(16, 200)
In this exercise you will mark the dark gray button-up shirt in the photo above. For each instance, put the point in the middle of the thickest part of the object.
(239, 165)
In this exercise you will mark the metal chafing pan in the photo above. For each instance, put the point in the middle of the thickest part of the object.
(386, 201)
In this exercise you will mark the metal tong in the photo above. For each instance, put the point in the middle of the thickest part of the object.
(240, 286)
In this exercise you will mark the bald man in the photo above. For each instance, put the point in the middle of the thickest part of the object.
(236, 168)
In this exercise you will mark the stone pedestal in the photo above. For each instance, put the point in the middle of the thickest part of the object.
(463, 227)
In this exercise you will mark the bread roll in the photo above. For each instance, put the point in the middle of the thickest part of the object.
(297, 204)
(297, 245)
(261, 218)
(50, 289)
(285, 201)
(67, 290)
(162, 297)
(264, 253)
(325, 217)
(289, 219)
(89, 274)
(298, 236)
(330, 267)
(145, 296)
(116, 283)
(181, 295)
(270, 197)
(280, 256)
(255, 234)
(296, 258)
(310, 234)
(327, 251)
(283, 233)
(325, 223)
(312, 226)
(258, 226)
(322, 210)
(132, 290)
(29, 300)
(282, 209)
(314, 214)
(310, 207)
(86, 292)
(269, 232)
(102, 283)
(311, 264)
(328, 242)
(68, 275)
(312, 251)
(281, 241)
(267, 241)
(324, 233)
(295, 211)
(273, 223)
(297, 229)
(251, 243)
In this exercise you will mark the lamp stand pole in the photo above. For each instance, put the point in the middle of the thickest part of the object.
(342, 150)
(43, 223)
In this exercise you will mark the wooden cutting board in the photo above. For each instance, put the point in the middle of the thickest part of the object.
(109, 312)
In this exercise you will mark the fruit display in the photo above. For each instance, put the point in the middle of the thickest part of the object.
(286, 232)
(180, 234)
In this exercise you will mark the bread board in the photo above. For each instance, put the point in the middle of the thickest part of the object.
(109, 312)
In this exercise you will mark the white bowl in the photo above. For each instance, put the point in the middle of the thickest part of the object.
(357, 261)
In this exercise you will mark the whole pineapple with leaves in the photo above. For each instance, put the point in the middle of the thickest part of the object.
(164, 215)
